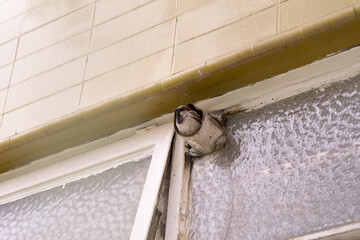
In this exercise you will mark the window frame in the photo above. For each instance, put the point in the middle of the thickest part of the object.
(334, 68)
(93, 158)
(348, 231)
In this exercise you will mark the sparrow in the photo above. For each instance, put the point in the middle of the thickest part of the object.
(187, 120)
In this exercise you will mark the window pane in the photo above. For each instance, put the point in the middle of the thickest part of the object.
(290, 168)
(98, 207)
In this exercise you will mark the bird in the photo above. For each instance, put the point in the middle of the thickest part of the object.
(187, 120)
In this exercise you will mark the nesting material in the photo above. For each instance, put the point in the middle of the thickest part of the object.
(209, 138)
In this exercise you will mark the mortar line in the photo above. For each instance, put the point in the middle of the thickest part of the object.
(87, 57)
(174, 39)
(278, 16)
(9, 83)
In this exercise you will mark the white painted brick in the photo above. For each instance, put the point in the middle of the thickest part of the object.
(40, 112)
(5, 73)
(297, 12)
(34, 3)
(50, 57)
(127, 78)
(186, 5)
(107, 9)
(56, 31)
(133, 22)
(46, 84)
(215, 15)
(7, 52)
(50, 10)
(2, 101)
(12, 8)
(131, 49)
(10, 29)
(226, 40)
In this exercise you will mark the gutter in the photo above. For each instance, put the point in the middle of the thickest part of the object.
(276, 55)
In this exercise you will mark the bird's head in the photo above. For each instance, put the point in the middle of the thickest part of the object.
(187, 119)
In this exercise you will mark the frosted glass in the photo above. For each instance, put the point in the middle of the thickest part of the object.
(289, 168)
(98, 207)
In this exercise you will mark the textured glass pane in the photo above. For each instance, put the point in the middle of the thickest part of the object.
(290, 168)
(98, 207)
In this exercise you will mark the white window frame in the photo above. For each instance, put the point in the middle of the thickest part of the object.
(93, 158)
(347, 232)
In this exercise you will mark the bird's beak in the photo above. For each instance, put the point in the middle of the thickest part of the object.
(178, 117)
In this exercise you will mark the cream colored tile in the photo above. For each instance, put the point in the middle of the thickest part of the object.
(12, 8)
(56, 31)
(133, 22)
(225, 40)
(10, 29)
(33, 3)
(50, 10)
(216, 14)
(297, 12)
(46, 84)
(5, 73)
(107, 9)
(127, 78)
(50, 57)
(186, 5)
(7, 52)
(40, 112)
(2, 101)
(131, 49)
